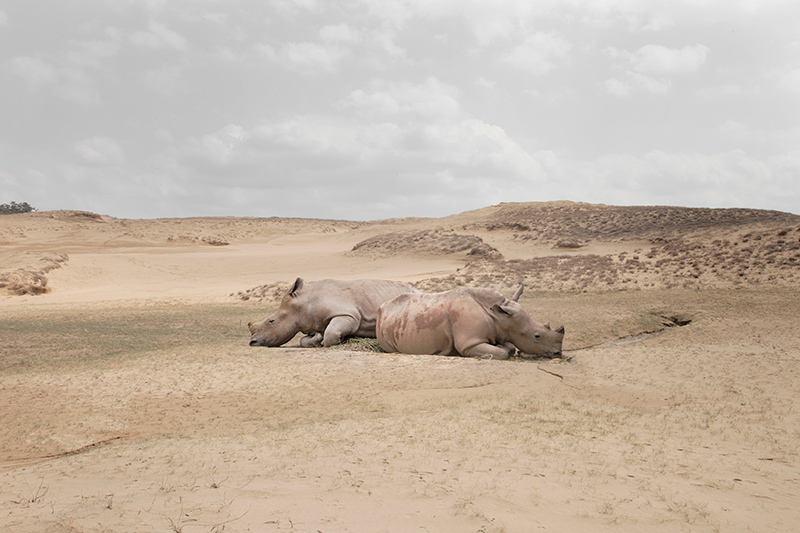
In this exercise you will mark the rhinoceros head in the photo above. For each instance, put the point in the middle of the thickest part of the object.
(529, 336)
(279, 328)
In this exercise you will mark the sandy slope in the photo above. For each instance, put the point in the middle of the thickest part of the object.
(130, 401)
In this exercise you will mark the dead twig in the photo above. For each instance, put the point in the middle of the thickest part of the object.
(559, 376)
(28, 460)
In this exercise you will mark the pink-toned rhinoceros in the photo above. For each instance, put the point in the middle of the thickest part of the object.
(327, 311)
(468, 321)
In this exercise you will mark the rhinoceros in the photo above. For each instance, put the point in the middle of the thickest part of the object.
(469, 321)
(327, 311)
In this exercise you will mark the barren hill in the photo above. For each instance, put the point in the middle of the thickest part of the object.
(552, 246)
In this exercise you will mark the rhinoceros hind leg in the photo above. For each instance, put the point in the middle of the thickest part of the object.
(485, 349)
(338, 329)
(311, 341)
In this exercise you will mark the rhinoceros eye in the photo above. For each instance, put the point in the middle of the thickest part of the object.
(271, 321)
(537, 335)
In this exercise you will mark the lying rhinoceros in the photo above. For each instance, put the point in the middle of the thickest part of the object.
(327, 311)
(467, 321)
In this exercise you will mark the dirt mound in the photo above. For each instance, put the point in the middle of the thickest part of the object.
(756, 258)
(568, 221)
(433, 242)
(32, 279)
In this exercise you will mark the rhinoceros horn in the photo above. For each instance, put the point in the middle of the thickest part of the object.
(517, 293)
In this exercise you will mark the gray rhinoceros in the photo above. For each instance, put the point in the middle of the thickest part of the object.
(468, 321)
(327, 311)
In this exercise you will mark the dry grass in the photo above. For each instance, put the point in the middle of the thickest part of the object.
(569, 221)
(435, 242)
(755, 259)
(32, 280)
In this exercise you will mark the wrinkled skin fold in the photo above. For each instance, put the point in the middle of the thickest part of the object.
(468, 321)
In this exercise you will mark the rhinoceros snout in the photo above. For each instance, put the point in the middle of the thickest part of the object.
(254, 342)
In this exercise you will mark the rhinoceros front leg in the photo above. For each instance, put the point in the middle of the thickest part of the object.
(311, 341)
(489, 351)
(338, 329)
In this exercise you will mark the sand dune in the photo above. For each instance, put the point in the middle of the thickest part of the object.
(131, 401)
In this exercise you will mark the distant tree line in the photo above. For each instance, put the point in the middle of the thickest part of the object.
(14, 207)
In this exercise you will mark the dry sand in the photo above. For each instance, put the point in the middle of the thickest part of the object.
(130, 400)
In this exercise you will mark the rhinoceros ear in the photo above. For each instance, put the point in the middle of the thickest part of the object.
(297, 287)
(502, 310)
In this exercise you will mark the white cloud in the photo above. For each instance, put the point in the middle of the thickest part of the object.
(306, 57)
(91, 54)
(789, 79)
(229, 55)
(492, 21)
(632, 82)
(430, 99)
(312, 56)
(77, 86)
(732, 127)
(217, 18)
(618, 88)
(489, 22)
(3, 18)
(727, 179)
(483, 83)
(657, 22)
(222, 147)
(164, 136)
(724, 91)
(34, 71)
(296, 7)
(316, 135)
(167, 79)
(99, 151)
(654, 58)
(474, 145)
(539, 53)
(69, 83)
(767, 141)
(339, 33)
(385, 42)
(158, 36)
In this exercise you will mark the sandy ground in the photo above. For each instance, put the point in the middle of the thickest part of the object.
(130, 400)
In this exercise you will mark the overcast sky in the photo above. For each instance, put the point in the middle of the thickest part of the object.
(369, 109)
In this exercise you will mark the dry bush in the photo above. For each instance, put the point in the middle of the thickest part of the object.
(568, 245)
(569, 221)
(768, 258)
(271, 293)
(434, 242)
(32, 280)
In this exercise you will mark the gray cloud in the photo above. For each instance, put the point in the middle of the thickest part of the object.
(400, 108)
